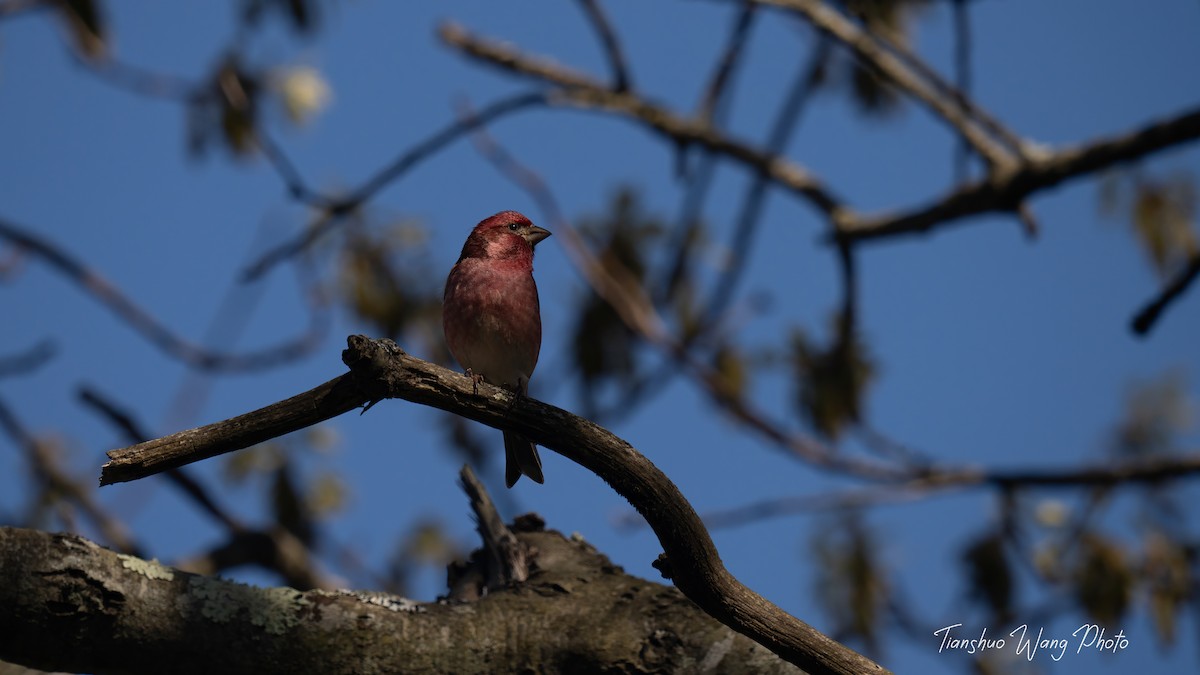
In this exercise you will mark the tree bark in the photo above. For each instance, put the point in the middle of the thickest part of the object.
(70, 605)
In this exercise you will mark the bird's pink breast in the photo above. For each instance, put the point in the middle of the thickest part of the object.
(492, 320)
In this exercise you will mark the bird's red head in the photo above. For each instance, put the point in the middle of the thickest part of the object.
(506, 235)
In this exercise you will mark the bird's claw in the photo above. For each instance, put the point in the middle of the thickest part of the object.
(475, 380)
(517, 395)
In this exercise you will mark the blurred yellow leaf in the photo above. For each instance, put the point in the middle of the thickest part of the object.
(850, 582)
(990, 576)
(1168, 574)
(327, 494)
(1103, 579)
(731, 370)
(1161, 209)
(261, 458)
(831, 381)
(1156, 412)
(303, 91)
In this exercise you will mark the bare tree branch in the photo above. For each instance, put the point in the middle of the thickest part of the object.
(1155, 471)
(507, 558)
(146, 325)
(730, 56)
(27, 361)
(139, 80)
(612, 48)
(867, 47)
(1149, 314)
(962, 77)
(335, 208)
(337, 396)
(380, 369)
(12, 8)
(580, 91)
(787, 119)
(1004, 193)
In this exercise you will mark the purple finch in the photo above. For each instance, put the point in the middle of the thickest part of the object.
(492, 320)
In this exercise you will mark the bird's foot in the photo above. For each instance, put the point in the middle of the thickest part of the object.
(475, 380)
(518, 392)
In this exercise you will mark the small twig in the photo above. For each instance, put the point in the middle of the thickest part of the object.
(727, 62)
(884, 446)
(290, 175)
(712, 108)
(947, 481)
(836, 501)
(1156, 470)
(29, 360)
(146, 325)
(962, 78)
(331, 216)
(1149, 314)
(1014, 142)
(612, 48)
(871, 49)
(141, 81)
(11, 8)
(508, 558)
(786, 121)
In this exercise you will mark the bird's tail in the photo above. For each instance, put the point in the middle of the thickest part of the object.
(520, 457)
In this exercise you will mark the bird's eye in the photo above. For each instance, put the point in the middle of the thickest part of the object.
(512, 226)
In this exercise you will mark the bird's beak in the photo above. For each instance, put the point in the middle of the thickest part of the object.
(533, 234)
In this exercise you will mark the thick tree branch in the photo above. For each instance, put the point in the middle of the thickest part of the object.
(932, 94)
(326, 401)
(577, 90)
(1009, 183)
(380, 369)
(1004, 192)
(70, 605)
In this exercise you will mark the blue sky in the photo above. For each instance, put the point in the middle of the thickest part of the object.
(993, 350)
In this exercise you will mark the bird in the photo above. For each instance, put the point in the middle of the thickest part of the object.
(492, 319)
